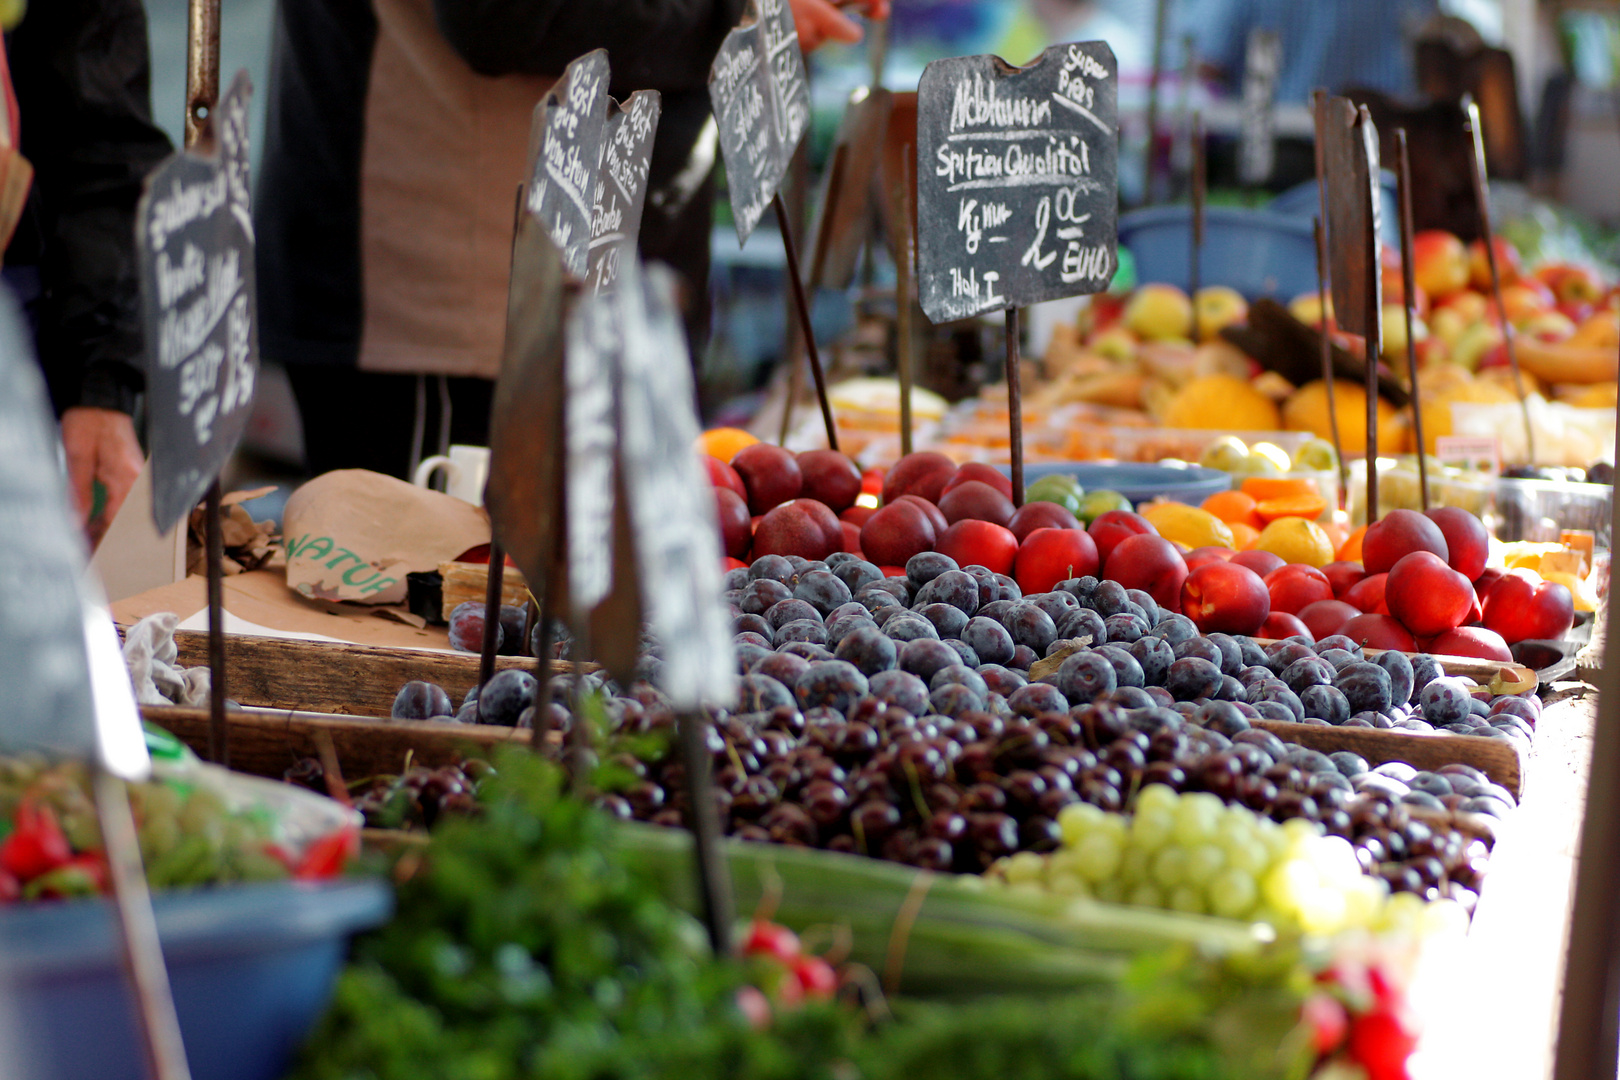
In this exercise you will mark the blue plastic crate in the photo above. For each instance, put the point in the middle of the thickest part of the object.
(1253, 251)
(251, 968)
(1138, 482)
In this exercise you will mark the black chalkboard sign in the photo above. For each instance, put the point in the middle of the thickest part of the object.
(1354, 202)
(565, 151)
(621, 184)
(761, 105)
(670, 503)
(194, 235)
(1017, 189)
(47, 704)
(523, 486)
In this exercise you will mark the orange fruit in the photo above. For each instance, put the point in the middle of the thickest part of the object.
(1234, 508)
(1221, 401)
(1263, 488)
(1304, 506)
(1307, 410)
(1350, 550)
(1244, 536)
(724, 442)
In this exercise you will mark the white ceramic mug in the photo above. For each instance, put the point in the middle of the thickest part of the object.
(465, 469)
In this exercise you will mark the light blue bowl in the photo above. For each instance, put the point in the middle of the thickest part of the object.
(1137, 482)
(251, 968)
(1253, 251)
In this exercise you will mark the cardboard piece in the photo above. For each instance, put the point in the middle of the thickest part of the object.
(354, 535)
(133, 556)
(264, 605)
(194, 239)
(1017, 180)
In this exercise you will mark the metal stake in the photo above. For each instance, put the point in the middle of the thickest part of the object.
(202, 70)
(902, 298)
(703, 818)
(1015, 408)
(219, 735)
(1327, 356)
(1482, 195)
(803, 305)
(1409, 298)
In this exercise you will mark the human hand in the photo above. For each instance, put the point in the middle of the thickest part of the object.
(100, 445)
(820, 21)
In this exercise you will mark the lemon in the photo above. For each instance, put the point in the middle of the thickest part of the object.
(1272, 453)
(1225, 453)
(1183, 524)
(1317, 455)
(1296, 540)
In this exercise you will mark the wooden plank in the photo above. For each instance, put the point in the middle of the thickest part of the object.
(1500, 759)
(335, 677)
(267, 744)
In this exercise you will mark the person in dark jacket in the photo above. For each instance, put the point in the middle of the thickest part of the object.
(396, 137)
(82, 78)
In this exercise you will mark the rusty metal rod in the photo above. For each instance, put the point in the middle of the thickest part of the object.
(902, 297)
(802, 304)
(1015, 408)
(703, 818)
(492, 613)
(219, 734)
(1327, 357)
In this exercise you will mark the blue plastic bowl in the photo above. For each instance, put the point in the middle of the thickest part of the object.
(1300, 201)
(1136, 481)
(1253, 251)
(251, 968)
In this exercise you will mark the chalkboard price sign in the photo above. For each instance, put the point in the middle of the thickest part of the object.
(621, 184)
(565, 151)
(1017, 179)
(671, 507)
(761, 105)
(1354, 202)
(194, 236)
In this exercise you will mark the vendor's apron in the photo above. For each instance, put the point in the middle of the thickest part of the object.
(445, 152)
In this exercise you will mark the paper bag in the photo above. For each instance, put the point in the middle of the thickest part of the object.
(354, 535)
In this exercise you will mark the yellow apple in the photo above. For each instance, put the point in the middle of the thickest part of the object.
(1439, 263)
(1158, 311)
(1116, 343)
(1475, 342)
(1447, 325)
(1395, 332)
(1307, 308)
(1219, 306)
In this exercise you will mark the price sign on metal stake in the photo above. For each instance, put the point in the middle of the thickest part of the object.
(1257, 149)
(565, 151)
(194, 238)
(621, 185)
(1017, 193)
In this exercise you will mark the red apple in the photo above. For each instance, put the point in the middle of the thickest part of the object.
(1295, 586)
(985, 474)
(1368, 594)
(736, 527)
(830, 477)
(1048, 556)
(770, 473)
(1148, 562)
(924, 473)
(1428, 596)
(1467, 542)
(1325, 617)
(1221, 597)
(980, 543)
(1280, 624)
(1110, 528)
(1379, 632)
(1521, 605)
(723, 475)
(1199, 556)
(975, 499)
(1261, 562)
(930, 511)
(1474, 641)
(1041, 515)
(798, 528)
(897, 532)
(857, 515)
(1342, 575)
(1399, 533)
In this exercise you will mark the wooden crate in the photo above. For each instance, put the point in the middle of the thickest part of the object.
(335, 677)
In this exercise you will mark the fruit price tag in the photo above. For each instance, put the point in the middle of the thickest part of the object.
(670, 502)
(194, 239)
(67, 691)
(1354, 202)
(526, 417)
(1017, 189)
(594, 344)
(1481, 452)
(621, 185)
(565, 152)
(761, 103)
(1262, 61)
